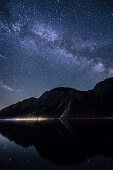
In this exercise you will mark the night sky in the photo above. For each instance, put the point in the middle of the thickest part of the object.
(50, 43)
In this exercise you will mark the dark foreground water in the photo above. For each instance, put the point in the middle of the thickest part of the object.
(56, 145)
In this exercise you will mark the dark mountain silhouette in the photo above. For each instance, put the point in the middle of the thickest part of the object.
(66, 102)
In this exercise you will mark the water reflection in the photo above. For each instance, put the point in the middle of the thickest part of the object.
(56, 144)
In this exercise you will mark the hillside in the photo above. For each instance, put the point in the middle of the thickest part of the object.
(66, 102)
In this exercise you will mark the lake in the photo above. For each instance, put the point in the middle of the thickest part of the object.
(56, 145)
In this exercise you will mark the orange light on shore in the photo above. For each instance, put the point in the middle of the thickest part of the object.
(31, 119)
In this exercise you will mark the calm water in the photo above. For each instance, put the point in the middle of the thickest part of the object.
(56, 145)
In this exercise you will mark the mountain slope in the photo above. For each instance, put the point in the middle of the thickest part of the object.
(66, 102)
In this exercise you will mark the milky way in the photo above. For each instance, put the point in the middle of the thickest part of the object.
(50, 43)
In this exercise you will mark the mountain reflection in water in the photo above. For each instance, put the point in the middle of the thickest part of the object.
(55, 144)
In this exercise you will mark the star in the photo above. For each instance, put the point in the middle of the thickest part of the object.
(48, 44)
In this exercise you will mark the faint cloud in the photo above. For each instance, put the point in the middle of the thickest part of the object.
(6, 87)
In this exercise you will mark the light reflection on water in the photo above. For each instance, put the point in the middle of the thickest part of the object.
(32, 146)
(18, 157)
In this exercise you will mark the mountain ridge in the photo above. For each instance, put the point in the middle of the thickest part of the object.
(65, 102)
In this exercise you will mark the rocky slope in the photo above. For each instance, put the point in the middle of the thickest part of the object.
(66, 102)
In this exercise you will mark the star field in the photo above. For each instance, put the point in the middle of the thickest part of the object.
(50, 43)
